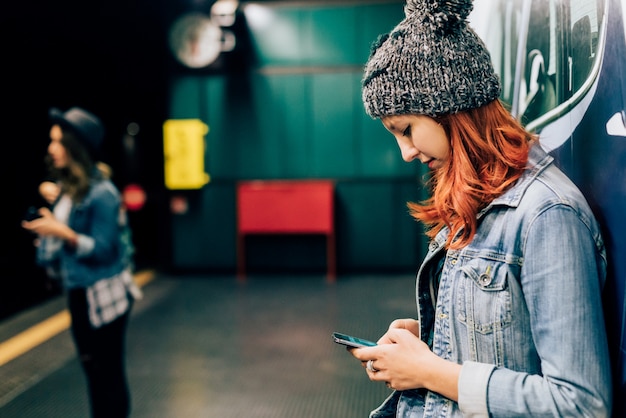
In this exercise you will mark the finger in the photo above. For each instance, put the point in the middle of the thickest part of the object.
(377, 376)
(365, 353)
(371, 367)
(27, 225)
(399, 334)
(44, 211)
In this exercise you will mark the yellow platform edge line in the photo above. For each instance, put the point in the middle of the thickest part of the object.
(48, 328)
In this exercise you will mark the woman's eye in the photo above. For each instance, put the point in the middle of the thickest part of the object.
(407, 131)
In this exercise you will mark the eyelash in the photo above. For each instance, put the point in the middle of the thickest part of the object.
(407, 131)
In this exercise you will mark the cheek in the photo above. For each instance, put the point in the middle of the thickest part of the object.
(63, 157)
(444, 151)
(440, 147)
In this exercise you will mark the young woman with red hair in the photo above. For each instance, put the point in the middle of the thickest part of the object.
(509, 311)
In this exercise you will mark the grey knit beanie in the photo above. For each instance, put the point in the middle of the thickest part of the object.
(432, 63)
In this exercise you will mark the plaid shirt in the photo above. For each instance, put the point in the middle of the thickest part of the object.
(108, 299)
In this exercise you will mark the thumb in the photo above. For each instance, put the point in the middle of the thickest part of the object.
(399, 335)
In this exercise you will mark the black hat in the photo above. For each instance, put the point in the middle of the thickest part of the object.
(87, 127)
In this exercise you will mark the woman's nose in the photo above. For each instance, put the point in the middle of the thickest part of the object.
(409, 153)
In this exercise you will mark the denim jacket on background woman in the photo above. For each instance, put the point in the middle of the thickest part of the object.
(519, 307)
(99, 252)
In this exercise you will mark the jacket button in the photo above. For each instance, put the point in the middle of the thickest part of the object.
(484, 279)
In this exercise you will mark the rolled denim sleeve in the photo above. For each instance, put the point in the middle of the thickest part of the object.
(98, 226)
(473, 382)
(84, 245)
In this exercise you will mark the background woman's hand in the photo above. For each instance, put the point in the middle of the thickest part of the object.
(48, 225)
(49, 191)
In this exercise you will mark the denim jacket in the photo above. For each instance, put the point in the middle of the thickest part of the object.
(519, 307)
(99, 252)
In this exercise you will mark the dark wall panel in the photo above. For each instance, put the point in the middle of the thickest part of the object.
(333, 140)
(331, 36)
(283, 121)
(375, 230)
(204, 237)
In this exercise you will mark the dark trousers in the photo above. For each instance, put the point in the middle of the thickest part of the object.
(102, 356)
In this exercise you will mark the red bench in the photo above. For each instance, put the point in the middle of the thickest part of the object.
(286, 207)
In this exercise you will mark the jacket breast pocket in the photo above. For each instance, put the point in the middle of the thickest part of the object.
(484, 298)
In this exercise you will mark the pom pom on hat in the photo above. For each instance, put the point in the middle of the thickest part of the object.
(432, 63)
(445, 14)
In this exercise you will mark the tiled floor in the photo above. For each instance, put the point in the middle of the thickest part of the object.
(201, 346)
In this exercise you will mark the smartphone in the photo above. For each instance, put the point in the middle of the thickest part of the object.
(31, 214)
(351, 341)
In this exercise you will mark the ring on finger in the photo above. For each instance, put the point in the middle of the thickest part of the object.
(370, 366)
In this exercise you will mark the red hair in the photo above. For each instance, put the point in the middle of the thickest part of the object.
(488, 153)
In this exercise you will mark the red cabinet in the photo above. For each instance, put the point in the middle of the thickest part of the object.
(286, 207)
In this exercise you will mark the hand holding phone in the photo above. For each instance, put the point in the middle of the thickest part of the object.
(351, 341)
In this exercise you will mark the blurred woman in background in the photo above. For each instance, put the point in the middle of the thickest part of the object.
(82, 240)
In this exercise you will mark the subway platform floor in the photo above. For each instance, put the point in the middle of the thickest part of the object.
(207, 347)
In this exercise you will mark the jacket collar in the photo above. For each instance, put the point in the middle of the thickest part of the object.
(538, 161)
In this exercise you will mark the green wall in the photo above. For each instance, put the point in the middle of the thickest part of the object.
(296, 114)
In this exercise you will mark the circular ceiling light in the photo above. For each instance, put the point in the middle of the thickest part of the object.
(195, 40)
